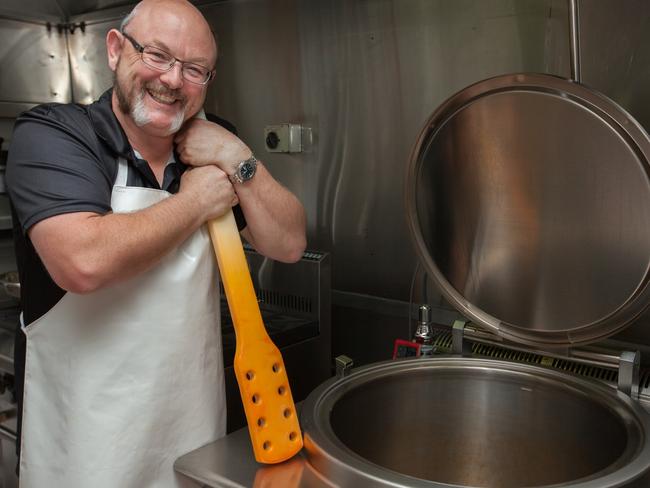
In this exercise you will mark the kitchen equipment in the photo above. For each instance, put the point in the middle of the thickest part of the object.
(259, 368)
(528, 199)
(473, 422)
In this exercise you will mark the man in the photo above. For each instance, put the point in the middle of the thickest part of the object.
(123, 370)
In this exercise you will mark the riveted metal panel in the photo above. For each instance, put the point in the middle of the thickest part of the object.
(34, 63)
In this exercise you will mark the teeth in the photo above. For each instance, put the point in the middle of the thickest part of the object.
(159, 97)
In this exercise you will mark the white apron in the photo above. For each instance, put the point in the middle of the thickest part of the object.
(121, 382)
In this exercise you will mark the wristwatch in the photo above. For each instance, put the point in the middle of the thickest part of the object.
(245, 170)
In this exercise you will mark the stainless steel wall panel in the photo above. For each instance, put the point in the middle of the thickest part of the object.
(56, 10)
(91, 75)
(365, 75)
(259, 78)
(34, 63)
(37, 10)
(615, 52)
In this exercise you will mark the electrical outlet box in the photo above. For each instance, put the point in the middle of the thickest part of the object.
(288, 138)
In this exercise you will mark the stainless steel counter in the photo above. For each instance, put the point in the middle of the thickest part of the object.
(229, 462)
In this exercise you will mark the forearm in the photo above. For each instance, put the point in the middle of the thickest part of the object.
(274, 216)
(85, 251)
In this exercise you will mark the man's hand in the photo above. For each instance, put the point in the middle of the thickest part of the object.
(210, 189)
(202, 143)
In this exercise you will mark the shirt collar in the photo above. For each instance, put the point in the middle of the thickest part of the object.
(108, 128)
(170, 160)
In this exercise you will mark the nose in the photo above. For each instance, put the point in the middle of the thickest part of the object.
(174, 77)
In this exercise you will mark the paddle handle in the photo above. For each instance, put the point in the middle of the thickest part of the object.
(236, 278)
(263, 383)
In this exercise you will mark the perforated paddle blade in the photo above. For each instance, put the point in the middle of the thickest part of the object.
(263, 382)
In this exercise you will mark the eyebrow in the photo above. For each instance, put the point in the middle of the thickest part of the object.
(161, 45)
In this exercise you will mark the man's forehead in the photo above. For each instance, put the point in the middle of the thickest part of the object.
(179, 36)
(170, 11)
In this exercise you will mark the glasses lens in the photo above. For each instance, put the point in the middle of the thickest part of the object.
(156, 58)
(195, 73)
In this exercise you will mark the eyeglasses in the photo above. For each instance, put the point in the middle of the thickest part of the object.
(163, 61)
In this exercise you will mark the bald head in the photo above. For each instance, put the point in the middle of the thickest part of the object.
(156, 14)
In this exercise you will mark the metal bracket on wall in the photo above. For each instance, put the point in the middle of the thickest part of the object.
(67, 26)
(343, 365)
(459, 345)
(628, 373)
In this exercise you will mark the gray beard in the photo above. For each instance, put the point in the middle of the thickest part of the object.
(138, 110)
(141, 116)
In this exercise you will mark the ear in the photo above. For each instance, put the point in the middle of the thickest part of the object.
(114, 42)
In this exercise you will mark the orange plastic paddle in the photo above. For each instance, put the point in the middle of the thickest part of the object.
(263, 383)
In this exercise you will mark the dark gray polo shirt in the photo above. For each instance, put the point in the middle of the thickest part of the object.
(63, 159)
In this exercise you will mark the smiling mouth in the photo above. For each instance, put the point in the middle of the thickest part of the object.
(163, 98)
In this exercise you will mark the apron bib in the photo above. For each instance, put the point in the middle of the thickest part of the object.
(121, 382)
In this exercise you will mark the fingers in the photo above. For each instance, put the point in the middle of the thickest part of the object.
(202, 143)
(211, 190)
(195, 142)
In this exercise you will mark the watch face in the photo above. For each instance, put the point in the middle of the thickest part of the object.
(246, 171)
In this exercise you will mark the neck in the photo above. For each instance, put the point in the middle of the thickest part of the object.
(153, 148)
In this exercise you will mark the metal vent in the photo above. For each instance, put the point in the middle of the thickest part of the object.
(442, 345)
(284, 302)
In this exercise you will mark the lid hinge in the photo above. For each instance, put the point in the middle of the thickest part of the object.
(628, 373)
(459, 344)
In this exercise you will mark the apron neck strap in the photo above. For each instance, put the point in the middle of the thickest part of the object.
(122, 172)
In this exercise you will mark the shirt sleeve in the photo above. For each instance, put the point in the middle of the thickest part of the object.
(55, 165)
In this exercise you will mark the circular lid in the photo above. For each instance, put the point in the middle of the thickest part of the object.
(528, 198)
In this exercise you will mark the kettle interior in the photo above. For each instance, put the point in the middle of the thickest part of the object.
(474, 422)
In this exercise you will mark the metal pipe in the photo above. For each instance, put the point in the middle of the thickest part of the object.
(608, 357)
(574, 40)
(6, 433)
